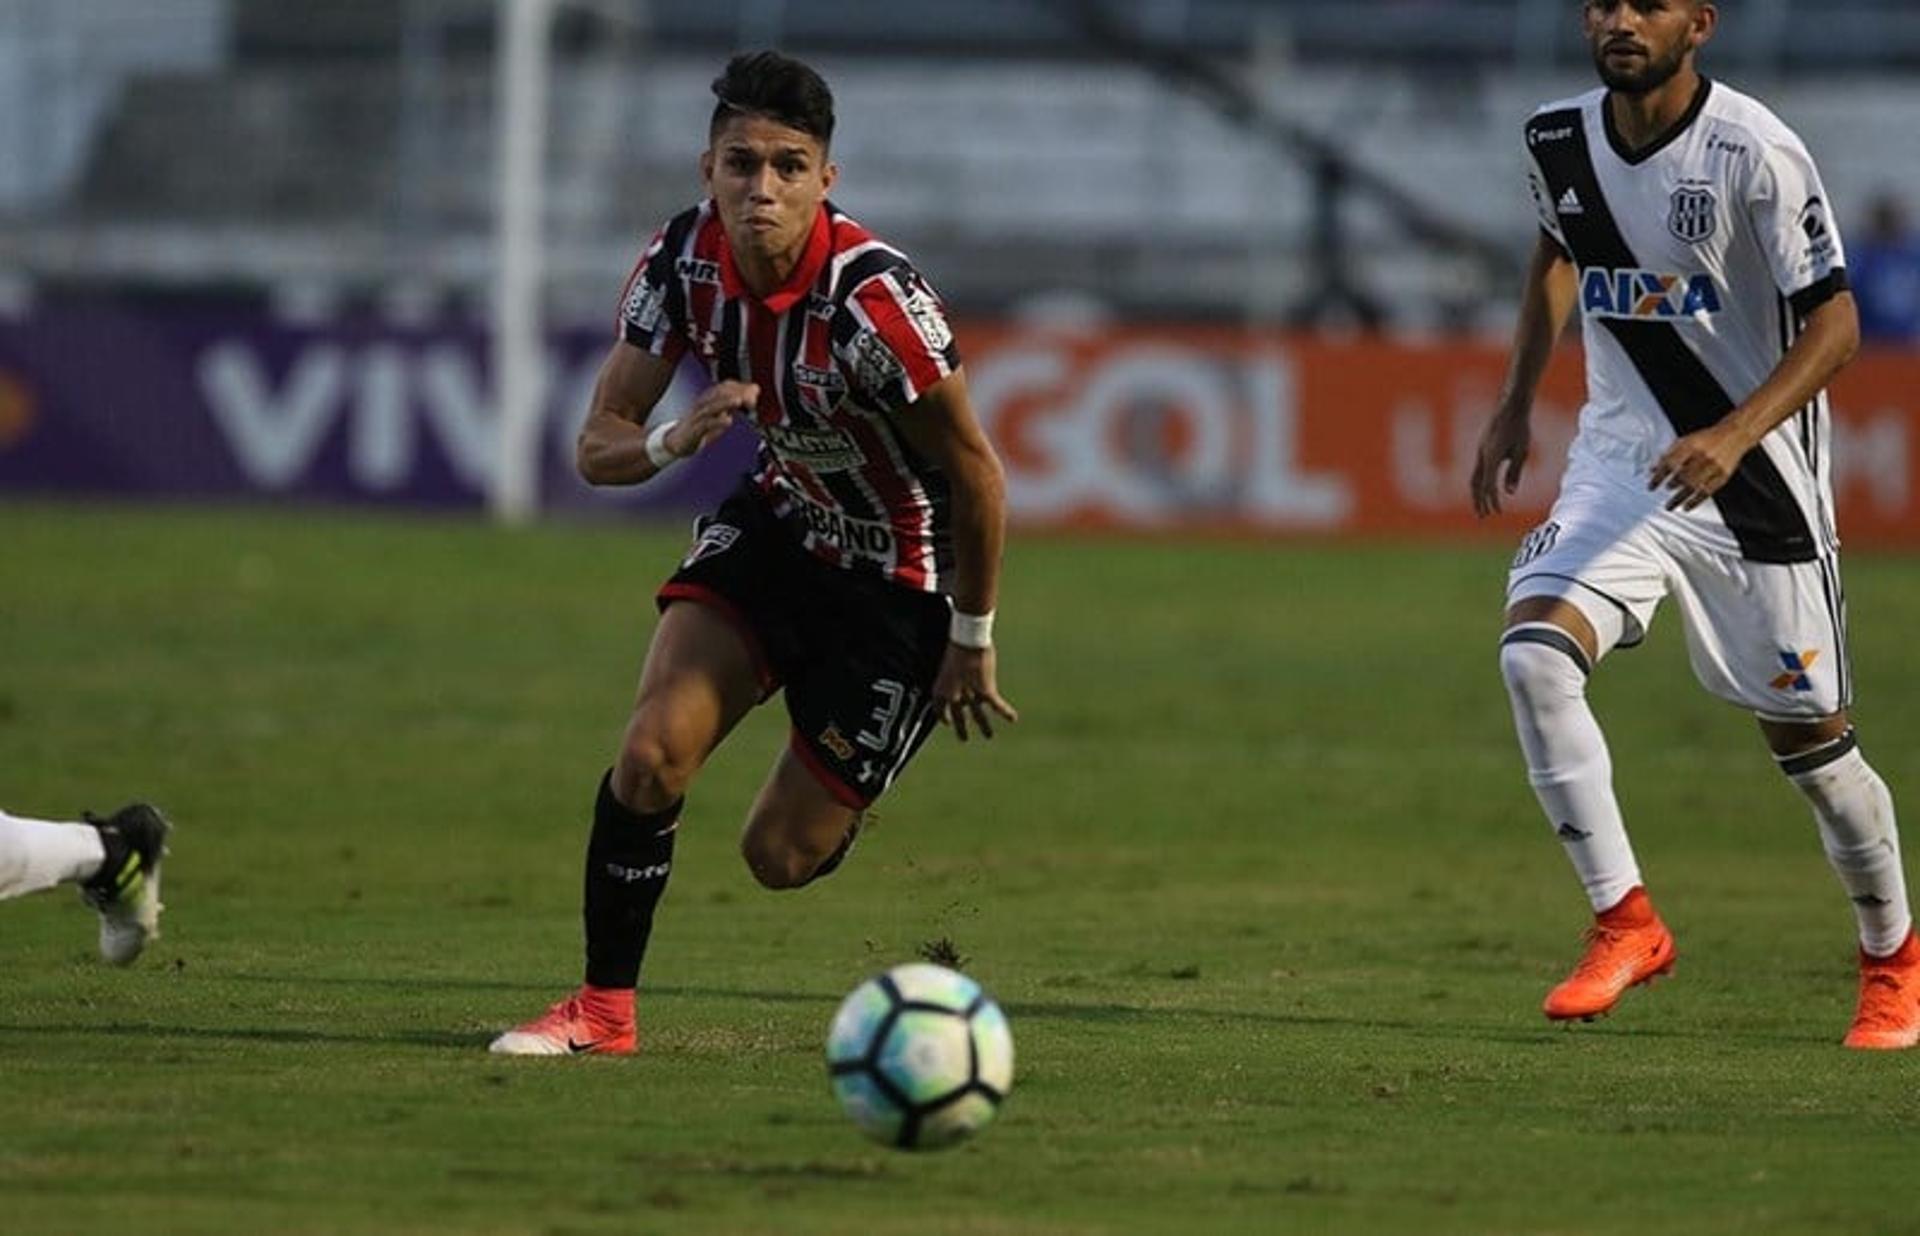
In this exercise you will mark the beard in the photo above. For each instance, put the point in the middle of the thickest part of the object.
(1652, 74)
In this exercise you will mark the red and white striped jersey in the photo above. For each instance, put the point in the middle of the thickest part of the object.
(848, 344)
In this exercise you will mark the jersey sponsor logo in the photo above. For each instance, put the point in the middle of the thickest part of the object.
(1715, 142)
(875, 367)
(1695, 214)
(821, 389)
(924, 308)
(1819, 233)
(645, 304)
(1796, 665)
(697, 270)
(714, 539)
(1609, 293)
(823, 450)
(864, 537)
(1540, 137)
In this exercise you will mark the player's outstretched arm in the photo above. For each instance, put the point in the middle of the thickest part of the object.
(1546, 302)
(616, 447)
(1697, 465)
(942, 427)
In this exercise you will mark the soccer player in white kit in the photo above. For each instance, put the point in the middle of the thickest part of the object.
(1691, 228)
(115, 861)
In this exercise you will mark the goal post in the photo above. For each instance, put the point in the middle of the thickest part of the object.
(519, 317)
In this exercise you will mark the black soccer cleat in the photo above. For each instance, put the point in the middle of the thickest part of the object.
(126, 889)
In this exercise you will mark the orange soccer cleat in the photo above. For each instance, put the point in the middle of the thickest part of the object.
(1889, 1013)
(589, 1022)
(1627, 945)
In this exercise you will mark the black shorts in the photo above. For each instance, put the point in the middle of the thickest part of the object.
(857, 655)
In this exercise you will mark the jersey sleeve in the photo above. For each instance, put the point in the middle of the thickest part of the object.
(647, 306)
(894, 339)
(1543, 208)
(1793, 221)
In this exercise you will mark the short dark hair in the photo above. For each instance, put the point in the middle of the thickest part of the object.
(766, 83)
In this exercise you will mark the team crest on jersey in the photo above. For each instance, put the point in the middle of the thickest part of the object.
(645, 304)
(821, 390)
(1608, 293)
(713, 539)
(1694, 214)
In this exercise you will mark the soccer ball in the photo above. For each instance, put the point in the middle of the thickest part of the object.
(920, 1057)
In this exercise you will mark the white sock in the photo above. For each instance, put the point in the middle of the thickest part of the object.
(1854, 810)
(37, 854)
(1567, 760)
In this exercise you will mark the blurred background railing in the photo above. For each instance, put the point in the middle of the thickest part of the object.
(345, 150)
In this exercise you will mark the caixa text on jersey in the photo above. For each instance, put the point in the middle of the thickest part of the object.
(1613, 293)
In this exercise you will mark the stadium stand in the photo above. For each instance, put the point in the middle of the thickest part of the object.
(352, 144)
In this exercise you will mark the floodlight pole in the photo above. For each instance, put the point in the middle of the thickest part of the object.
(519, 343)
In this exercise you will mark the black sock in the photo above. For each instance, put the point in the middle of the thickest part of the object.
(629, 857)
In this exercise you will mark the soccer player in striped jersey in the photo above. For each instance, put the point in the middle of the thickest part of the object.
(856, 567)
(114, 860)
(1690, 227)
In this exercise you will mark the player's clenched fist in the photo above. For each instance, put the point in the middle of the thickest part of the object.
(711, 415)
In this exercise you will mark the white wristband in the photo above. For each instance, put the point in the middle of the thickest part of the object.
(657, 449)
(971, 630)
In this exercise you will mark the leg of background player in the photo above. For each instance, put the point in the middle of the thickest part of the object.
(1549, 647)
(116, 861)
(38, 854)
(1854, 811)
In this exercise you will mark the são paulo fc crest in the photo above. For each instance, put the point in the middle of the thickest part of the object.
(1694, 214)
(714, 538)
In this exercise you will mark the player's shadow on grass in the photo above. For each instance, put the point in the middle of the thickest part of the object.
(398, 984)
(1531, 1034)
(257, 1034)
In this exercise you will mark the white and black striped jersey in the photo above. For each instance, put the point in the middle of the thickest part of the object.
(1699, 258)
(852, 340)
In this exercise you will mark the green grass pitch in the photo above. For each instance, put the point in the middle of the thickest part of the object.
(1257, 879)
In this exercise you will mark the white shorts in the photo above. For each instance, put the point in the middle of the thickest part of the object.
(1768, 637)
